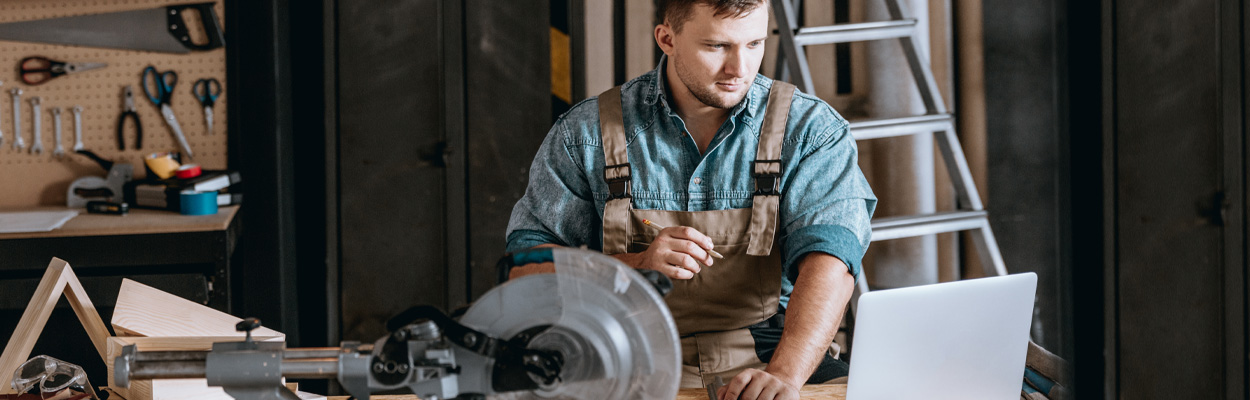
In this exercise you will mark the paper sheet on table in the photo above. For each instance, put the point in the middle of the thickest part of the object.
(34, 221)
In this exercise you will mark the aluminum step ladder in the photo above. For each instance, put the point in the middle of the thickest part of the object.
(970, 215)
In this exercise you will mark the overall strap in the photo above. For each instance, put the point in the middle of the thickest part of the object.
(616, 173)
(766, 170)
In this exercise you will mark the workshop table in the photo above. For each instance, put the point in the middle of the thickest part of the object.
(141, 242)
(813, 392)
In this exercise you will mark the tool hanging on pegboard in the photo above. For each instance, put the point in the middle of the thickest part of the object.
(38, 70)
(162, 29)
(62, 51)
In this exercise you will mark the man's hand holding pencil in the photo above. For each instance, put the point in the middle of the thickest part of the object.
(676, 252)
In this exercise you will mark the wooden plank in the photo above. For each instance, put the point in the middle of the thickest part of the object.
(197, 389)
(137, 222)
(600, 57)
(813, 392)
(146, 311)
(84, 308)
(55, 279)
(639, 37)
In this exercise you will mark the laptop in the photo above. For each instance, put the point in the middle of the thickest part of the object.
(960, 340)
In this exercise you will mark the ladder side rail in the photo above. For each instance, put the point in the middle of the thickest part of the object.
(987, 249)
(786, 21)
(925, 82)
(782, 70)
(957, 166)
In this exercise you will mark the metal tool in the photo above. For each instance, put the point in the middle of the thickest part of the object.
(77, 129)
(128, 111)
(36, 147)
(18, 144)
(59, 151)
(163, 88)
(94, 188)
(207, 90)
(39, 70)
(161, 29)
(595, 329)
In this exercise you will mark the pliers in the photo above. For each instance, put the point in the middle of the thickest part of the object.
(128, 111)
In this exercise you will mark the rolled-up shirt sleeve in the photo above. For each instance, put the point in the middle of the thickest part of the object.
(558, 206)
(827, 204)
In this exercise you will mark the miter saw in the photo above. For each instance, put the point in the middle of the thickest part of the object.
(595, 329)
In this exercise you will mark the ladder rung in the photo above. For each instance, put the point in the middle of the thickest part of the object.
(843, 33)
(926, 224)
(880, 128)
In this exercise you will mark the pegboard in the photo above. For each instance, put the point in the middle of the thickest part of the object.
(28, 179)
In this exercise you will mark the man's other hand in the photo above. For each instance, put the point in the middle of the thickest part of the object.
(676, 252)
(754, 384)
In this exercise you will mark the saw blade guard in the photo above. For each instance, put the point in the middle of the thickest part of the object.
(613, 328)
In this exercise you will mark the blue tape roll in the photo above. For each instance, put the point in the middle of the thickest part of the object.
(198, 203)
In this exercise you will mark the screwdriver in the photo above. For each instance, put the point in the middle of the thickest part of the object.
(662, 227)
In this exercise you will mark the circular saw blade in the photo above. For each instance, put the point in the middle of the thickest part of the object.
(617, 336)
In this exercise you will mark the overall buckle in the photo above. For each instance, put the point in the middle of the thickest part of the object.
(618, 188)
(766, 183)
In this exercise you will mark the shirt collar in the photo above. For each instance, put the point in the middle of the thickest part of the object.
(657, 94)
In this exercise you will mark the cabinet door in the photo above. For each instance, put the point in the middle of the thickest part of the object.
(1168, 183)
(392, 174)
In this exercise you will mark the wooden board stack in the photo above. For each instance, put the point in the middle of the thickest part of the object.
(154, 320)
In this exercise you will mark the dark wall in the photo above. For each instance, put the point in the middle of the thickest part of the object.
(441, 105)
(508, 81)
(261, 148)
(1118, 170)
(391, 188)
(1178, 172)
(1025, 153)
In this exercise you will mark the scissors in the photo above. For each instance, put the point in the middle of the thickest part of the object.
(207, 90)
(38, 70)
(163, 85)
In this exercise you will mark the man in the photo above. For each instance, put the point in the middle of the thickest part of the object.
(726, 159)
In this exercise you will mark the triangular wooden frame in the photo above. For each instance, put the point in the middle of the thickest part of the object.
(56, 280)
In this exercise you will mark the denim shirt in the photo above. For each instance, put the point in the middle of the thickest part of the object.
(825, 206)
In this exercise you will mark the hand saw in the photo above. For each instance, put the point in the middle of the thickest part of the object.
(160, 29)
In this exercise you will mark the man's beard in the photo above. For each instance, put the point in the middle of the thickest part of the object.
(705, 95)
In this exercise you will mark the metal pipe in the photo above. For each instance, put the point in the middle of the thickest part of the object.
(143, 356)
(311, 368)
(167, 370)
(312, 352)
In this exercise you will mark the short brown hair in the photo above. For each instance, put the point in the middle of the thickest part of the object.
(677, 12)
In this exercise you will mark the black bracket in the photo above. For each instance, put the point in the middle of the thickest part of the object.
(516, 367)
(618, 188)
(766, 184)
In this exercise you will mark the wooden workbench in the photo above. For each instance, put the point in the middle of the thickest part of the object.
(813, 392)
(141, 242)
(138, 222)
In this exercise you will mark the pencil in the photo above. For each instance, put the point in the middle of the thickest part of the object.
(658, 226)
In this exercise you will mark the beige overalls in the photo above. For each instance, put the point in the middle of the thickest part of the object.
(714, 308)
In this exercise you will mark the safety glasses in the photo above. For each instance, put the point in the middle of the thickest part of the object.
(51, 375)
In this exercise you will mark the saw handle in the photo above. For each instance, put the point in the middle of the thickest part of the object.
(208, 19)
